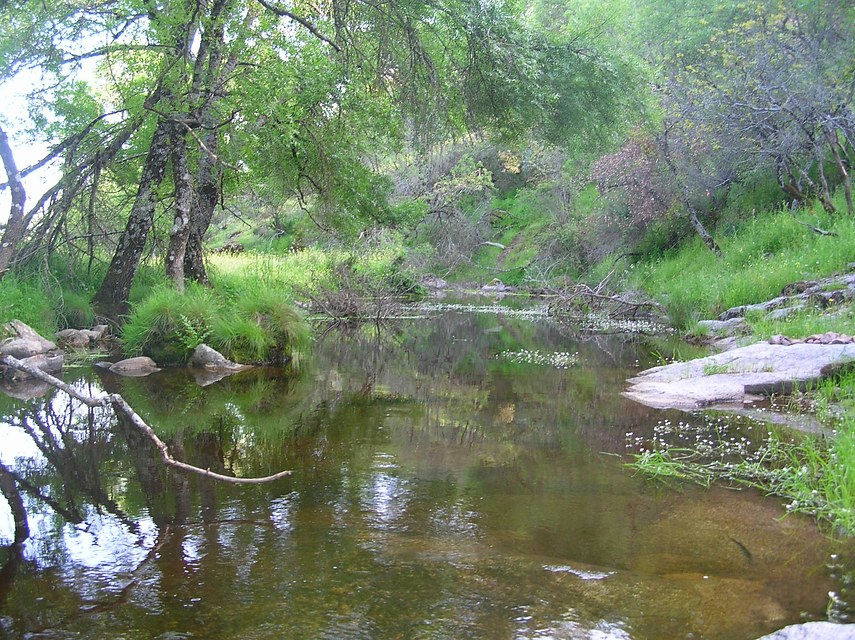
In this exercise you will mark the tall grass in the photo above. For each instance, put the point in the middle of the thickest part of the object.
(28, 299)
(250, 325)
(767, 252)
(168, 325)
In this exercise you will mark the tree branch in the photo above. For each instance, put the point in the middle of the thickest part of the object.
(308, 25)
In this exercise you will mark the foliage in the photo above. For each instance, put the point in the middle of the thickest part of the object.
(253, 326)
(76, 310)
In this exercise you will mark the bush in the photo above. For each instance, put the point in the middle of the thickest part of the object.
(76, 311)
(265, 328)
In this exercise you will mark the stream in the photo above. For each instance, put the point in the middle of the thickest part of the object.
(456, 475)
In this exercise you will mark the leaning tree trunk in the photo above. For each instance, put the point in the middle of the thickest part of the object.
(15, 224)
(705, 235)
(111, 300)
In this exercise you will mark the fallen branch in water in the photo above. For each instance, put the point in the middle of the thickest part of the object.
(120, 406)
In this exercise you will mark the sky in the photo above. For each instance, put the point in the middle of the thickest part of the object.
(15, 120)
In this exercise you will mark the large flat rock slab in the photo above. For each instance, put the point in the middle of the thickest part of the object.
(737, 376)
(814, 631)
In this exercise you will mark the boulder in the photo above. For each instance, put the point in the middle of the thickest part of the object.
(205, 357)
(814, 631)
(762, 307)
(134, 367)
(732, 377)
(22, 341)
(434, 282)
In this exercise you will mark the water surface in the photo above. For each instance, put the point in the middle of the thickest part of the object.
(440, 490)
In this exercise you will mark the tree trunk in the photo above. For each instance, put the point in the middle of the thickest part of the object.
(183, 208)
(15, 226)
(207, 195)
(841, 167)
(111, 300)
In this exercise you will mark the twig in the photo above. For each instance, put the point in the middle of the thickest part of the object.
(121, 406)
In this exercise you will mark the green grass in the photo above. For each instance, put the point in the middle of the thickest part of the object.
(764, 254)
(800, 325)
(168, 325)
(250, 325)
(27, 299)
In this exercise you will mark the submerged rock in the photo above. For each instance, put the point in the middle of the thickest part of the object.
(814, 631)
(133, 367)
(733, 377)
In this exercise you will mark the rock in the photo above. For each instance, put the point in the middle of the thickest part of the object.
(814, 631)
(204, 357)
(495, 285)
(42, 361)
(22, 341)
(73, 338)
(725, 328)
(780, 314)
(82, 338)
(724, 344)
(762, 307)
(133, 367)
(798, 287)
(829, 337)
(727, 378)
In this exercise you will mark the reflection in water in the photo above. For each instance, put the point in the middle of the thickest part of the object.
(439, 492)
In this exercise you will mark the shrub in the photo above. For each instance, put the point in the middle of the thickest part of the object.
(268, 328)
(255, 325)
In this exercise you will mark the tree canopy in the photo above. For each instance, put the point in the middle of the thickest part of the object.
(191, 101)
